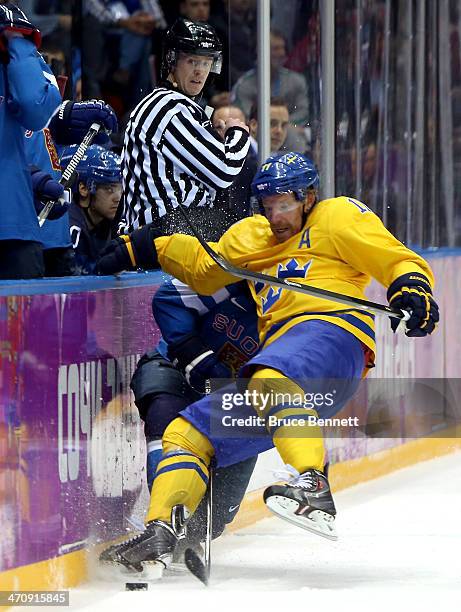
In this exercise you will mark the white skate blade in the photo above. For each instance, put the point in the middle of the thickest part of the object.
(318, 522)
(116, 572)
(151, 571)
(177, 567)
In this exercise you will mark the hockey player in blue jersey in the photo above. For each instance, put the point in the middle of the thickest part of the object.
(203, 338)
(96, 195)
(69, 124)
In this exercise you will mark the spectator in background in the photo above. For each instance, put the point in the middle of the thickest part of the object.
(304, 58)
(236, 27)
(136, 48)
(291, 85)
(94, 204)
(134, 21)
(76, 74)
(279, 124)
(195, 10)
(52, 17)
(30, 97)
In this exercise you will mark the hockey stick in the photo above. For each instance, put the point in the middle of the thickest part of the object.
(202, 569)
(352, 302)
(69, 173)
(209, 525)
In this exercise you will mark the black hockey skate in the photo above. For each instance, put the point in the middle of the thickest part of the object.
(148, 553)
(306, 501)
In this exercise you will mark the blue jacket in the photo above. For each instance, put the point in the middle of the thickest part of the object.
(226, 321)
(29, 96)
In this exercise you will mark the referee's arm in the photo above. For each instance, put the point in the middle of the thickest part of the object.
(200, 153)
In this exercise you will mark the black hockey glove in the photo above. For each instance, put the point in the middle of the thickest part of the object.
(131, 251)
(197, 362)
(13, 20)
(73, 119)
(412, 292)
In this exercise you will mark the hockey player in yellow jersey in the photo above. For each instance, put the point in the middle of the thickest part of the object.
(308, 344)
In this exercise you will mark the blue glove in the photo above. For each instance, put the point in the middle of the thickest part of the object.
(197, 361)
(45, 188)
(73, 120)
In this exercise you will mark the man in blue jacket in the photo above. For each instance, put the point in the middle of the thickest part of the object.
(29, 102)
(29, 96)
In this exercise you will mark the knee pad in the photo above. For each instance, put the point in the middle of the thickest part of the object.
(155, 375)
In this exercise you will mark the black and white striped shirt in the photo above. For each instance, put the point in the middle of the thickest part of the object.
(171, 154)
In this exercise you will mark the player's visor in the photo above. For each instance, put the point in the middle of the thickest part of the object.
(279, 208)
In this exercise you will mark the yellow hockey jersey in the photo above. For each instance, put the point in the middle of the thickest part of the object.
(342, 245)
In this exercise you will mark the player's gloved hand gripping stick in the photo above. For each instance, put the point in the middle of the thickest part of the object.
(68, 175)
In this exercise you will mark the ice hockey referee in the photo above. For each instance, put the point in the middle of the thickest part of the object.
(171, 153)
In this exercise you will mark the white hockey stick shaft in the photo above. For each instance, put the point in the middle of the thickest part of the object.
(209, 524)
(69, 173)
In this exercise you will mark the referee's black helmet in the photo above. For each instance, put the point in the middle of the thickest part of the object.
(194, 38)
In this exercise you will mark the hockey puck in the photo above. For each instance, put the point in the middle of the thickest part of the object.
(136, 586)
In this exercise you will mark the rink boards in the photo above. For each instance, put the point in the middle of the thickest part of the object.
(71, 444)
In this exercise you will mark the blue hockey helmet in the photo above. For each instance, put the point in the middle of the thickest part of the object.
(99, 165)
(285, 173)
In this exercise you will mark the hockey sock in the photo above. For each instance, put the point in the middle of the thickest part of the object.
(154, 454)
(300, 445)
(182, 472)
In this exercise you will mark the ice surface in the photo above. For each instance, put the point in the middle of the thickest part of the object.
(399, 549)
